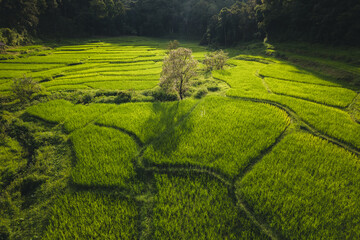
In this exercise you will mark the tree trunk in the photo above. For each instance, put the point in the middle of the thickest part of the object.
(181, 89)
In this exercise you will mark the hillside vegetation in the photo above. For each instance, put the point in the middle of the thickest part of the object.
(266, 148)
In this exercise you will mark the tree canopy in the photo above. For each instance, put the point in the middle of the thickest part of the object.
(222, 22)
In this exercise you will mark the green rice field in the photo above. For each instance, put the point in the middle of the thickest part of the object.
(262, 149)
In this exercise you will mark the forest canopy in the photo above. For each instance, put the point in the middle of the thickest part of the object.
(221, 22)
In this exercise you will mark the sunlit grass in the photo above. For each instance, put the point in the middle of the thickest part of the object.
(306, 188)
(91, 215)
(70, 115)
(335, 96)
(123, 85)
(103, 157)
(190, 207)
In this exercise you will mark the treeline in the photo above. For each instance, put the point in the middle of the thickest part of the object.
(221, 22)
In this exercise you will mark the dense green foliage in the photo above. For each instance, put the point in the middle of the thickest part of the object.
(219, 22)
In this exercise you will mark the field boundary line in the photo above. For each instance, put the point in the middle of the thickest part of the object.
(294, 81)
(263, 227)
(130, 133)
(189, 168)
(261, 155)
(347, 146)
(304, 125)
(351, 105)
(263, 81)
(313, 101)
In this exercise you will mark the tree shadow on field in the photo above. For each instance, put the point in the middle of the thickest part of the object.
(167, 126)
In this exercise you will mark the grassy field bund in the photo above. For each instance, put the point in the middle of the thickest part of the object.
(267, 148)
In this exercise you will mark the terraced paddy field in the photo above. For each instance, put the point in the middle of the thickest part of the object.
(263, 149)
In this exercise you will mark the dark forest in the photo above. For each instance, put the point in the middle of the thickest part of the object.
(215, 22)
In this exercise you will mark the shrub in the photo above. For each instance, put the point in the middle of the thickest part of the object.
(24, 88)
(12, 38)
(122, 97)
(162, 96)
(216, 60)
(201, 92)
(173, 45)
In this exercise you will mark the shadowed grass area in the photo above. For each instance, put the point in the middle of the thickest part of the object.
(147, 120)
(224, 134)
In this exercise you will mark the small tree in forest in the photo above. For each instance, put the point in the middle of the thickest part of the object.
(178, 68)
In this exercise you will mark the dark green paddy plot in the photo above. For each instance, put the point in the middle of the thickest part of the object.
(306, 188)
(92, 215)
(293, 73)
(224, 134)
(147, 120)
(189, 207)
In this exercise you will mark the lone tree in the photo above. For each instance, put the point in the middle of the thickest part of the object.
(178, 68)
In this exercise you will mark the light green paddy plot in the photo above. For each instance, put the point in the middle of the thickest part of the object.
(103, 157)
(123, 85)
(243, 78)
(9, 74)
(6, 86)
(71, 116)
(27, 67)
(223, 134)
(334, 122)
(92, 215)
(335, 96)
(51, 59)
(306, 188)
(189, 207)
(106, 82)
